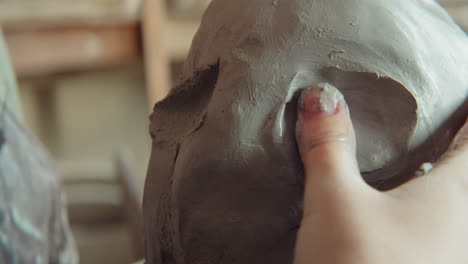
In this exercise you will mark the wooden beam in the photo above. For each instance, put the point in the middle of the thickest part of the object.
(70, 48)
(156, 52)
(178, 38)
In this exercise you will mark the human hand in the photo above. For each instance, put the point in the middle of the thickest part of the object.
(346, 221)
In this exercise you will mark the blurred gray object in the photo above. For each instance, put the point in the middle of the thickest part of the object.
(7, 83)
(33, 222)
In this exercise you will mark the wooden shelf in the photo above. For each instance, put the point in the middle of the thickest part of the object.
(52, 36)
(49, 50)
(20, 13)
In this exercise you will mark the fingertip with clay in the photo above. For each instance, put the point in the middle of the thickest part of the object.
(325, 133)
(320, 100)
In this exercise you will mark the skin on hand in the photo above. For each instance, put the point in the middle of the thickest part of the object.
(346, 221)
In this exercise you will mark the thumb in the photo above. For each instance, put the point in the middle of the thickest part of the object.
(327, 143)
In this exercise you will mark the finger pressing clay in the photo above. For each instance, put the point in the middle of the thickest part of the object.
(225, 180)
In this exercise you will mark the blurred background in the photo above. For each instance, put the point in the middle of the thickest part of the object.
(89, 73)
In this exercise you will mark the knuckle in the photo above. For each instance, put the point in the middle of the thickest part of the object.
(332, 142)
(314, 142)
(330, 152)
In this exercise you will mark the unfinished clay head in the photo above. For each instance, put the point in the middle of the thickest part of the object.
(225, 180)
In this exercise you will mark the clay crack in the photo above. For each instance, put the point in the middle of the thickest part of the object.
(200, 124)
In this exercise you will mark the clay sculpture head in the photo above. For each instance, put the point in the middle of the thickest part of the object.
(225, 180)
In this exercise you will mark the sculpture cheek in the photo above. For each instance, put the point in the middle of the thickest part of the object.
(222, 201)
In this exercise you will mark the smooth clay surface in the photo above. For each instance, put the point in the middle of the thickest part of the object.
(225, 180)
